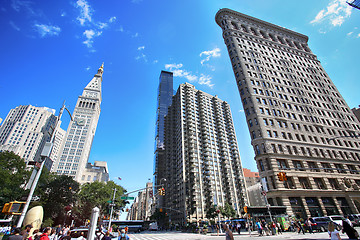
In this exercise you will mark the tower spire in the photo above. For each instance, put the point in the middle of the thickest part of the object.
(101, 69)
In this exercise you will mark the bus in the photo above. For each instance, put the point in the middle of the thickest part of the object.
(133, 225)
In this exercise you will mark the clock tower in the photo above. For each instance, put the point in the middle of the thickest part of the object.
(76, 148)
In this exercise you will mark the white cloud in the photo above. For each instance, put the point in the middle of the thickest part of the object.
(47, 30)
(349, 34)
(212, 53)
(112, 19)
(358, 36)
(175, 68)
(135, 35)
(142, 56)
(205, 80)
(336, 12)
(141, 48)
(14, 26)
(17, 5)
(85, 11)
(88, 68)
(90, 34)
(63, 14)
(179, 72)
(121, 29)
(102, 25)
(155, 61)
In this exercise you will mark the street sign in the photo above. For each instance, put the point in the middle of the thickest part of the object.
(263, 193)
(127, 198)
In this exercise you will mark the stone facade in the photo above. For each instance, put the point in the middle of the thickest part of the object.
(298, 121)
(75, 151)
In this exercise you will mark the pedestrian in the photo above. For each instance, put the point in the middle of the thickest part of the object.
(46, 233)
(238, 227)
(26, 231)
(81, 237)
(123, 235)
(300, 227)
(35, 235)
(228, 233)
(333, 233)
(348, 221)
(349, 230)
(16, 235)
(308, 224)
(107, 236)
(259, 227)
(279, 227)
(217, 229)
(67, 237)
(53, 235)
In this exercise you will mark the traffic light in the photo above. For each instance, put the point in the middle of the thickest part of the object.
(161, 191)
(282, 176)
(245, 209)
(12, 208)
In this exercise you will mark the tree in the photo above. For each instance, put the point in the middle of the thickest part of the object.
(211, 214)
(56, 192)
(98, 194)
(13, 176)
(228, 211)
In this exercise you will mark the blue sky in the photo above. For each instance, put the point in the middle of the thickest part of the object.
(50, 50)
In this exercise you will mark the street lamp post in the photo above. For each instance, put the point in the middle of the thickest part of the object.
(46, 152)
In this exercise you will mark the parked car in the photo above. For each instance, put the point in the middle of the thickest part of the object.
(337, 219)
(320, 224)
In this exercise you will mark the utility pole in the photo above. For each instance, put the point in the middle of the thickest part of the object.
(46, 152)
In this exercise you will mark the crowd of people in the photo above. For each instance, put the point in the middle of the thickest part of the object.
(60, 233)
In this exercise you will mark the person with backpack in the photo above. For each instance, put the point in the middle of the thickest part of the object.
(123, 235)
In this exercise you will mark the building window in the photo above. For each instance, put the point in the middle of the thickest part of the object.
(298, 166)
(319, 183)
(334, 184)
(304, 182)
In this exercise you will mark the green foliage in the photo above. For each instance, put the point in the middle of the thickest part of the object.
(98, 194)
(228, 211)
(48, 222)
(13, 175)
(56, 192)
(211, 214)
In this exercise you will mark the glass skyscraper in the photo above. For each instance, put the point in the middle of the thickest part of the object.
(165, 93)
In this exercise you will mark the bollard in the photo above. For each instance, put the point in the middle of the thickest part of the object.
(93, 223)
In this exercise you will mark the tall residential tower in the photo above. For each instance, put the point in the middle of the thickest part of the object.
(80, 134)
(202, 167)
(299, 123)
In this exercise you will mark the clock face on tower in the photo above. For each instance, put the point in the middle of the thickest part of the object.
(80, 122)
